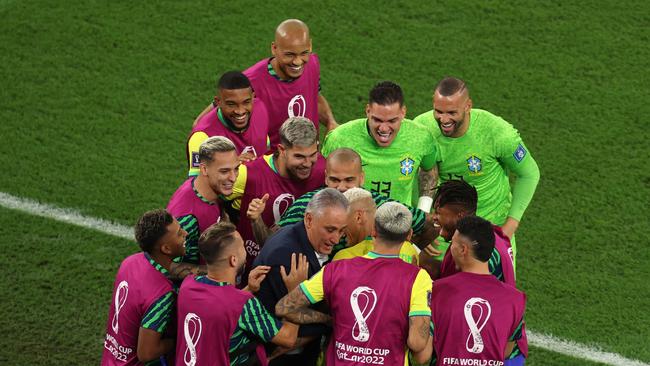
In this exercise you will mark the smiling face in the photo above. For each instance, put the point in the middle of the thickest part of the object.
(325, 229)
(447, 217)
(452, 113)
(236, 105)
(291, 52)
(384, 122)
(221, 172)
(297, 161)
(173, 242)
(343, 175)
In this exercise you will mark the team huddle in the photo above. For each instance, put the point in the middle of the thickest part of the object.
(391, 243)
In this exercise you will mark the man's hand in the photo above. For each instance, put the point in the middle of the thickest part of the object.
(247, 156)
(431, 250)
(509, 227)
(256, 276)
(298, 273)
(256, 207)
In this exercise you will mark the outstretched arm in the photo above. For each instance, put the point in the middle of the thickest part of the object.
(178, 271)
(295, 308)
(203, 113)
(325, 115)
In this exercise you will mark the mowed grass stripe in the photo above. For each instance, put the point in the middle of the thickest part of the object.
(70, 216)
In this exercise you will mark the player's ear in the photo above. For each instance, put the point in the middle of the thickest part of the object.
(165, 249)
(410, 235)
(274, 49)
(203, 169)
(362, 179)
(368, 111)
(403, 111)
(233, 261)
(217, 101)
(309, 45)
(469, 104)
(309, 218)
(281, 149)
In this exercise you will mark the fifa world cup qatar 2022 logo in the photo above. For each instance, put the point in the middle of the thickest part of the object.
(121, 294)
(363, 301)
(474, 343)
(281, 204)
(192, 327)
(297, 106)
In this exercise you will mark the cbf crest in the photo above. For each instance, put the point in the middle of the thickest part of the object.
(474, 164)
(406, 166)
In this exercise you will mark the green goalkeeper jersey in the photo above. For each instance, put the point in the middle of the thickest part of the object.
(483, 157)
(391, 171)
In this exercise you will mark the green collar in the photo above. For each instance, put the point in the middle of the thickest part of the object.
(208, 281)
(229, 125)
(272, 72)
(157, 266)
(196, 192)
(272, 164)
(374, 255)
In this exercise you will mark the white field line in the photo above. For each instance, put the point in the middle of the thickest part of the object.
(540, 340)
(65, 215)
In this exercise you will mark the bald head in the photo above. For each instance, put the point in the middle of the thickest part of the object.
(345, 156)
(291, 49)
(343, 170)
(292, 28)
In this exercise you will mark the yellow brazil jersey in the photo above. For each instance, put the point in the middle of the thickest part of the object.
(407, 252)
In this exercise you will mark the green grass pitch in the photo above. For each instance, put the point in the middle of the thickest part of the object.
(97, 99)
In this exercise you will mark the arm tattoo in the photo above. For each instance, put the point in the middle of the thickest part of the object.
(294, 307)
(428, 180)
(178, 271)
(260, 231)
(423, 326)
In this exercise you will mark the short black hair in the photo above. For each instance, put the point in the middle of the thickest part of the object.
(152, 226)
(479, 231)
(459, 193)
(215, 239)
(386, 93)
(233, 80)
(449, 86)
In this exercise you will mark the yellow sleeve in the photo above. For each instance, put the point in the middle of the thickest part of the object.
(357, 250)
(421, 295)
(313, 287)
(193, 145)
(408, 253)
(238, 187)
(343, 254)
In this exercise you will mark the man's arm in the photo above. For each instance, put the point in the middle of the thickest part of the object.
(325, 116)
(178, 271)
(295, 308)
(418, 336)
(428, 180)
(524, 167)
(287, 335)
(203, 113)
(151, 345)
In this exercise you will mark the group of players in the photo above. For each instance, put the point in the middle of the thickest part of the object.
(279, 251)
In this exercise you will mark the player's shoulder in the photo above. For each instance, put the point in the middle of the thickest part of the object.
(181, 198)
(315, 60)
(345, 133)
(257, 70)
(494, 124)
(206, 121)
